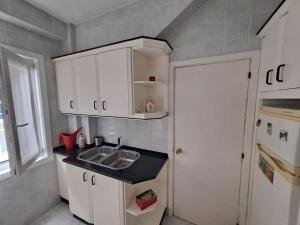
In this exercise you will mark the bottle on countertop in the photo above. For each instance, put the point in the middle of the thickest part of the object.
(81, 140)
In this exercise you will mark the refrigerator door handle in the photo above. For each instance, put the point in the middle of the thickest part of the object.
(277, 162)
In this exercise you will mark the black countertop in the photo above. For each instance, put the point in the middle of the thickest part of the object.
(145, 168)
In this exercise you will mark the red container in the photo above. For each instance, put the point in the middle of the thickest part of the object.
(146, 199)
(145, 204)
(69, 139)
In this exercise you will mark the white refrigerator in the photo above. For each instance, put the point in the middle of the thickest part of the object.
(276, 180)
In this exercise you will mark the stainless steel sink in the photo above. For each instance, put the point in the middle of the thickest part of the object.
(96, 155)
(121, 159)
(109, 157)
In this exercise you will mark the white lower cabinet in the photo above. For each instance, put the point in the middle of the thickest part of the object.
(79, 195)
(95, 198)
(62, 176)
(107, 198)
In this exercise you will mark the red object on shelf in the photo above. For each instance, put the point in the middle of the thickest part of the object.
(146, 199)
(69, 139)
(152, 78)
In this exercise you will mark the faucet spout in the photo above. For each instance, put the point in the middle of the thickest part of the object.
(119, 143)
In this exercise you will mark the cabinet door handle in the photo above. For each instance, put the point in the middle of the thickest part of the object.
(22, 125)
(93, 180)
(71, 104)
(268, 77)
(279, 72)
(104, 105)
(83, 177)
(95, 105)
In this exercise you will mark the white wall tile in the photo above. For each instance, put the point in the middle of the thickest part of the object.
(146, 134)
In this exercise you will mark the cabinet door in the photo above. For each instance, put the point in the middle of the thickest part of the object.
(115, 82)
(289, 73)
(269, 52)
(85, 72)
(62, 176)
(79, 200)
(65, 86)
(107, 195)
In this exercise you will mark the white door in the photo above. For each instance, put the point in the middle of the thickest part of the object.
(85, 72)
(65, 86)
(78, 185)
(269, 55)
(115, 82)
(107, 198)
(210, 109)
(289, 73)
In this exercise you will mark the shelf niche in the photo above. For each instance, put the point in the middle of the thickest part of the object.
(144, 66)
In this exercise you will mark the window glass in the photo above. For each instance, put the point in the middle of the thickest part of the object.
(23, 105)
(3, 146)
(25, 115)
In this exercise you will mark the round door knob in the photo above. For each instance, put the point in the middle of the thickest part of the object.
(178, 151)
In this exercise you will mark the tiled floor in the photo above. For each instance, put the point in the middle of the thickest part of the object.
(60, 215)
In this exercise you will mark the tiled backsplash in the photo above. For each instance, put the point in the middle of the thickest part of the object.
(147, 134)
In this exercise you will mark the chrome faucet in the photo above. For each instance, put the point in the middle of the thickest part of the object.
(119, 143)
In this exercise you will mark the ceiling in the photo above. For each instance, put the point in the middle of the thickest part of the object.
(79, 11)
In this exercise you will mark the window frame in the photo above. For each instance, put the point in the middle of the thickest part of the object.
(39, 66)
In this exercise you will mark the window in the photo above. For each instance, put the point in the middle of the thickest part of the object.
(4, 165)
(23, 137)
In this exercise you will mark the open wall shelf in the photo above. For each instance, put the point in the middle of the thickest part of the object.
(134, 210)
(154, 213)
(144, 66)
(151, 83)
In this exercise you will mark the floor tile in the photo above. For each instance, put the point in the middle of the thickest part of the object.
(60, 215)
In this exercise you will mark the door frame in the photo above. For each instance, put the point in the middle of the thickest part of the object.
(254, 57)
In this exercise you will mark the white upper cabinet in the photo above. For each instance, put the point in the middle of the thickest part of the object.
(85, 73)
(115, 81)
(65, 86)
(280, 52)
(288, 74)
(269, 52)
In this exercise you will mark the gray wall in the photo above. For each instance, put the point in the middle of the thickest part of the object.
(26, 197)
(213, 27)
(220, 27)
(145, 17)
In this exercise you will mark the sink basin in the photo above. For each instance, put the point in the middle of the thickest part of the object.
(96, 155)
(108, 157)
(120, 159)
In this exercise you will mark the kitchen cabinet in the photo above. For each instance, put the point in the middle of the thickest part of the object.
(95, 198)
(115, 82)
(107, 197)
(289, 73)
(85, 74)
(280, 52)
(103, 200)
(79, 195)
(62, 176)
(65, 86)
(269, 49)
